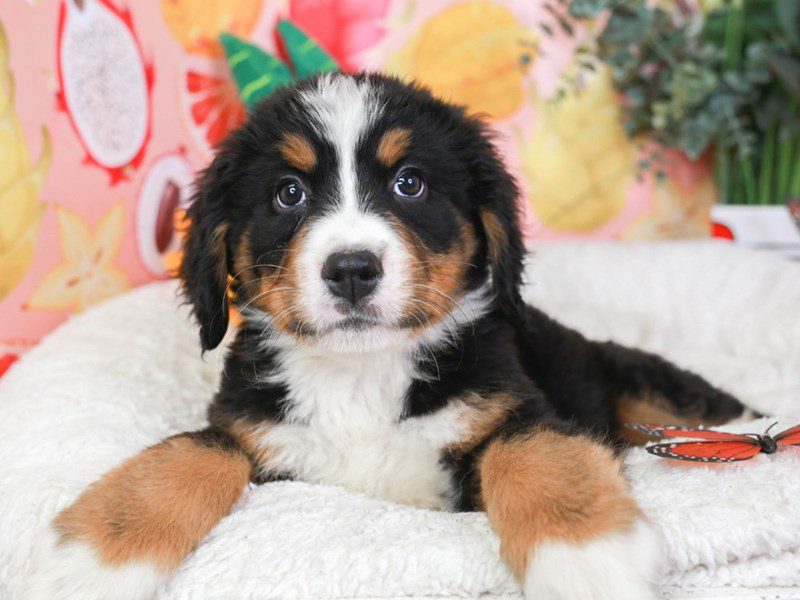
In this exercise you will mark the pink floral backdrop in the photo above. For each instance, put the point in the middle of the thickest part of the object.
(108, 109)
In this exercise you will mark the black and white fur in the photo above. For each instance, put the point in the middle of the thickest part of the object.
(379, 396)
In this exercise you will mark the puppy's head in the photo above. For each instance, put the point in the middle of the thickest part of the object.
(353, 212)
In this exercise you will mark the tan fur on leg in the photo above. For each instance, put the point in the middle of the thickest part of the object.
(158, 505)
(546, 486)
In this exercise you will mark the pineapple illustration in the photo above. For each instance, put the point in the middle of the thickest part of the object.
(477, 54)
(20, 185)
(579, 163)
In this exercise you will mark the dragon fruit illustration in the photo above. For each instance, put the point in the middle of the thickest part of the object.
(165, 194)
(104, 84)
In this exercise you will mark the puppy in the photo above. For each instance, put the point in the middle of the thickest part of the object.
(367, 234)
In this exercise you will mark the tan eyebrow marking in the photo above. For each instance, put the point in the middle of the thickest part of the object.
(393, 145)
(298, 152)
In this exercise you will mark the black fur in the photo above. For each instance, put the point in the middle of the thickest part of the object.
(381, 397)
(200, 270)
(562, 380)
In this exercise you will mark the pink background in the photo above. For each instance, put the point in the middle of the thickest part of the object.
(96, 236)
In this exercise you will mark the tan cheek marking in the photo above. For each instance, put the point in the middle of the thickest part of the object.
(243, 260)
(298, 152)
(279, 294)
(393, 146)
(496, 236)
(446, 276)
(243, 273)
(652, 410)
(549, 486)
(417, 269)
(158, 505)
(486, 414)
(436, 278)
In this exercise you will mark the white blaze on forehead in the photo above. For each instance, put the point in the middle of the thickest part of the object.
(343, 111)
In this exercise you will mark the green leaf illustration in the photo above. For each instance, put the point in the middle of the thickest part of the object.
(306, 55)
(256, 73)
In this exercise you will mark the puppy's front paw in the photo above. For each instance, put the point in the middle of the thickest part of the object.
(618, 566)
(73, 569)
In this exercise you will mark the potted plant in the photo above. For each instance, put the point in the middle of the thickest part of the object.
(719, 77)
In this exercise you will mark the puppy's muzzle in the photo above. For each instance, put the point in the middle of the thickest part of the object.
(352, 276)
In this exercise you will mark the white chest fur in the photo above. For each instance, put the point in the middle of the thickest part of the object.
(344, 427)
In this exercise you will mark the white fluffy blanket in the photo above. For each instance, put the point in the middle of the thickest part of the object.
(126, 374)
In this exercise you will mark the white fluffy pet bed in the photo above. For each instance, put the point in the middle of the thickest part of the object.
(128, 373)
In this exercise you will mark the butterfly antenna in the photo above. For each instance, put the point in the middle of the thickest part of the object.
(770, 427)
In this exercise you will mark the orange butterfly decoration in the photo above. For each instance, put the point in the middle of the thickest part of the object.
(716, 446)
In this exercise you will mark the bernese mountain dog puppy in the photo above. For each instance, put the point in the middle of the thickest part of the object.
(367, 234)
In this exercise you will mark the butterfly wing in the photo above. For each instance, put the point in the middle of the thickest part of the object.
(697, 433)
(709, 452)
(790, 437)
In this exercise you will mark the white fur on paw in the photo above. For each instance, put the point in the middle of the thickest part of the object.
(72, 570)
(619, 566)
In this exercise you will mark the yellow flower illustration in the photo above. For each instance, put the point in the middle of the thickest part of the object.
(87, 274)
(475, 53)
(20, 185)
(579, 163)
(197, 23)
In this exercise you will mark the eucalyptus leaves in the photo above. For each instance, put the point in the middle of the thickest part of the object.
(727, 78)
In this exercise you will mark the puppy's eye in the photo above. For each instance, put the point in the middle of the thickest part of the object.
(409, 184)
(290, 194)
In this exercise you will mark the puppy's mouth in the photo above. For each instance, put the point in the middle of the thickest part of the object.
(359, 318)
(357, 323)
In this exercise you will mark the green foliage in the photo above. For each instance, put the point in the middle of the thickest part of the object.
(727, 80)
(258, 74)
(306, 55)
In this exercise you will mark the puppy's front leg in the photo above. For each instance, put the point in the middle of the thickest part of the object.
(567, 525)
(129, 530)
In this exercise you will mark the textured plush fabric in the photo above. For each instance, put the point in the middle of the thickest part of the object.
(128, 373)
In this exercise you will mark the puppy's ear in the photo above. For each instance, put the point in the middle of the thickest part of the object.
(204, 268)
(497, 195)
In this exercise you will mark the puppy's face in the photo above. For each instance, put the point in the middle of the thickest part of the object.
(353, 212)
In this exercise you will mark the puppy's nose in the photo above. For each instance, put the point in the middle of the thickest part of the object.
(352, 275)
